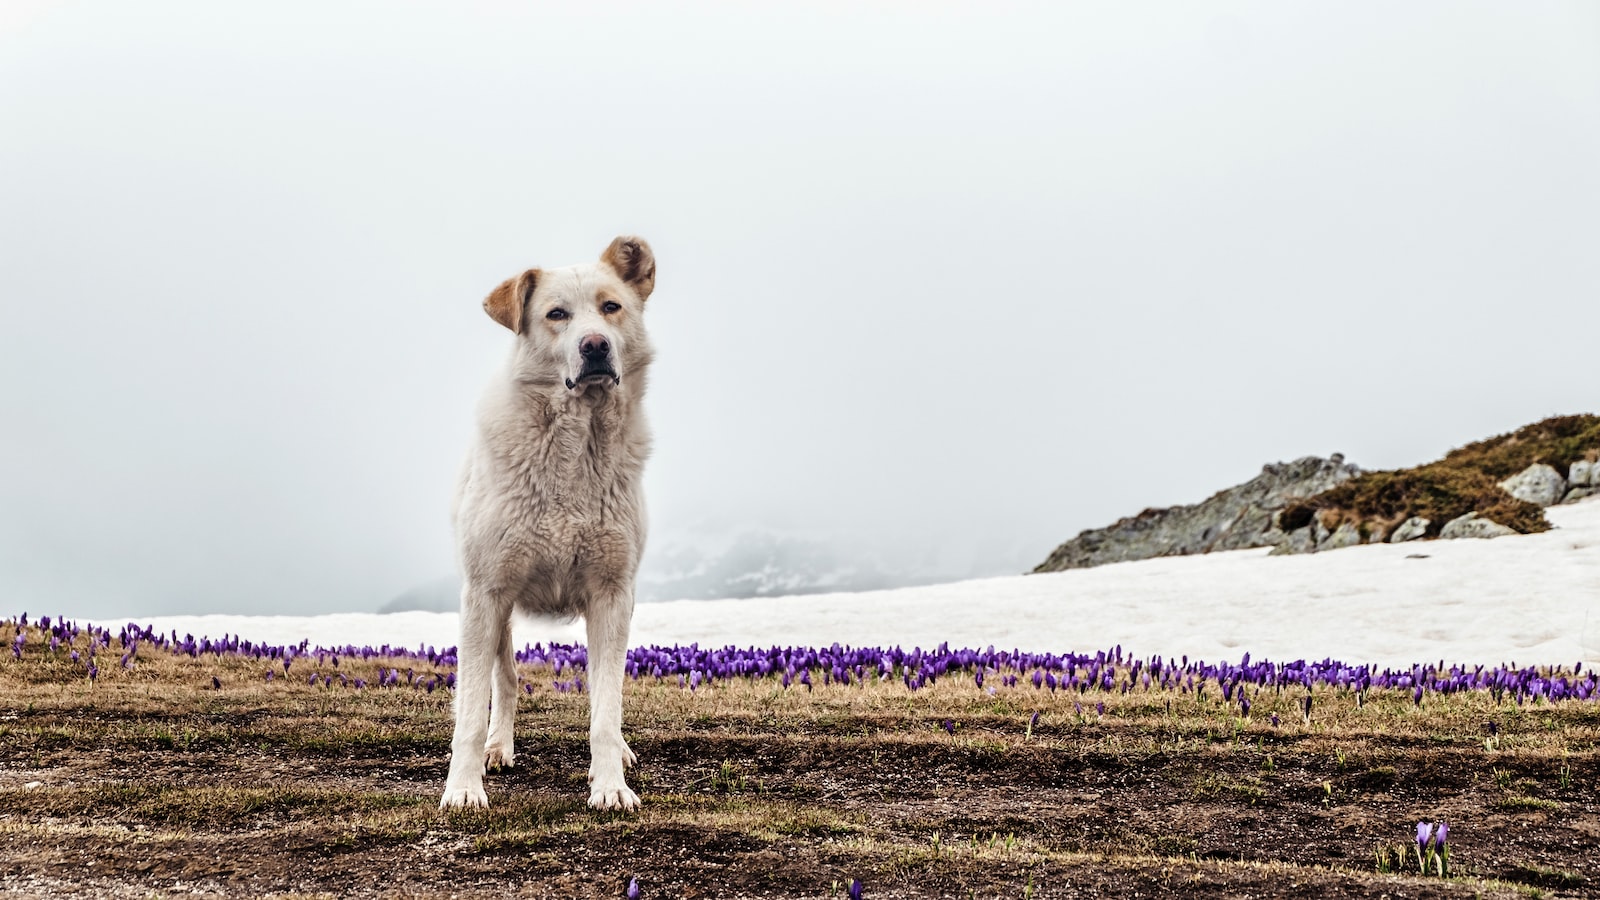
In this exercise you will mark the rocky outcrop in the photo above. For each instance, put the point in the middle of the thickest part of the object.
(1583, 480)
(1543, 484)
(1316, 537)
(1289, 506)
(1235, 519)
(1581, 473)
(1537, 483)
(1410, 530)
(1540, 484)
(1346, 535)
(1472, 525)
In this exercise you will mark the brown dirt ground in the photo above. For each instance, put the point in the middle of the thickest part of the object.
(163, 787)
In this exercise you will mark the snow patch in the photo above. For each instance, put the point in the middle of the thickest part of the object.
(1526, 599)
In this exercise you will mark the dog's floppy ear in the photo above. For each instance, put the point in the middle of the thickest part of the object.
(505, 303)
(631, 259)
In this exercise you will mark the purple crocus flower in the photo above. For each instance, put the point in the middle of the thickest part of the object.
(1100, 709)
(855, 889)
(1424, 834)
(1440, 835)
(950, 727)
(216, 683)
(1274, 720)
(633, 889)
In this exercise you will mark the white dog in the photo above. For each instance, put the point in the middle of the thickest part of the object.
(549, 514)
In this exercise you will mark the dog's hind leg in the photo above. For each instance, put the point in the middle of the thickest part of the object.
(483, 619)
(503, 712)
(607, 620)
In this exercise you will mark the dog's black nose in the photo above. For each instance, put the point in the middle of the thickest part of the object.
(594, 345)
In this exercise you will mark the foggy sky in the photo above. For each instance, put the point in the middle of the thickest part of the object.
(947, 279)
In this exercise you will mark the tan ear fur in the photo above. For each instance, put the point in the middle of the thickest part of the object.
(633, 261)
(506, 302)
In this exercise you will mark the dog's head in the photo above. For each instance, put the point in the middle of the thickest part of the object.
(581, 326)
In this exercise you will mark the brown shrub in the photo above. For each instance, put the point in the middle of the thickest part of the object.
(1436, 492)
(1557, 442)
(1465, 480)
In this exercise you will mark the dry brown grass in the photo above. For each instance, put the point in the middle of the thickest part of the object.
(1465, 480)
(165, 783)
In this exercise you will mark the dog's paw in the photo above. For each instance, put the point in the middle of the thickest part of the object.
(500, 757)
(469, 797)
(613, 796)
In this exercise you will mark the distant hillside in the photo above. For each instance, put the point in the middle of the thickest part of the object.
(1495, 486)
(1234, 519)
(752, 563)
(1467, 480)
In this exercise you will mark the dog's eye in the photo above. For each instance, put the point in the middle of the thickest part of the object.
(557, 313)
(611, 306)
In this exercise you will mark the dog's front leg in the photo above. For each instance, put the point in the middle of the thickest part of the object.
(503, 710)
(607, 621)
(482, 621)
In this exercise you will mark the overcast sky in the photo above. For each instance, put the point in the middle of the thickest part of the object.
(958, 278)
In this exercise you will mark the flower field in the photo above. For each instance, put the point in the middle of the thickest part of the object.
(134, 762)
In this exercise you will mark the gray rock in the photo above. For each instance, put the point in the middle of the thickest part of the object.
(1346, 535)
(1234, 519)
(1410, 530)
(1299, 540)
(1473, 525)
(1537, 483)
(1582, 473)
(1578, 493)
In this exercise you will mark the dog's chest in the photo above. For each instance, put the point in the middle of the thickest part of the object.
(577, 487)
(550, 512)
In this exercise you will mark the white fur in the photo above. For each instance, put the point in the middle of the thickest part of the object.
(550, 517)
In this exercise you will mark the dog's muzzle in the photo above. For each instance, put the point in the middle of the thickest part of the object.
(597, 367)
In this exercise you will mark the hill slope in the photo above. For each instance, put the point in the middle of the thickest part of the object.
(1313, 504)
(1238, 518)
(1466, 480)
